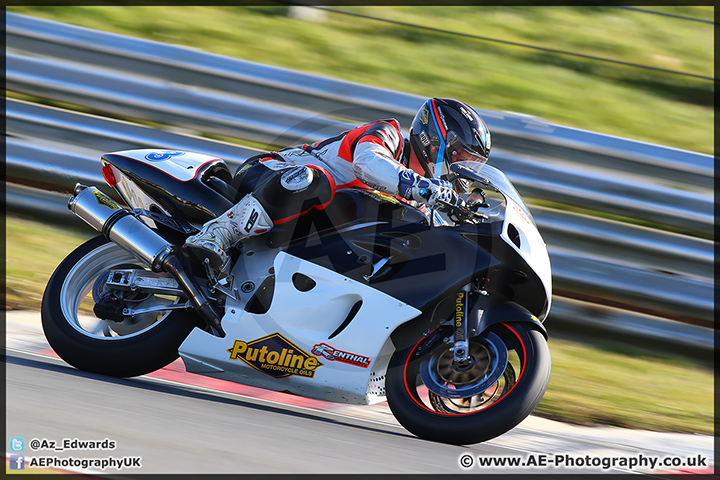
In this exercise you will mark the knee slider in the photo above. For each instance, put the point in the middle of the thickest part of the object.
(297, 179)
(295, 191)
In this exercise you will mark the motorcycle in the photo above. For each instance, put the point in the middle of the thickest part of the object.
(439, 312)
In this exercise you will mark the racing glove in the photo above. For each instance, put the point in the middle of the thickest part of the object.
(426, 190)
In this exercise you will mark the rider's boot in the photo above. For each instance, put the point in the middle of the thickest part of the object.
(245, 219)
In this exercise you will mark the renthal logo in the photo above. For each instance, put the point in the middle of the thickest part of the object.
(276, 356)
(333, 354)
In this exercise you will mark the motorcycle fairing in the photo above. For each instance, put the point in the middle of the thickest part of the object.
(176, 183)
(521, 234)
(302, 319)
(182, 166)
(431, 260)
(390, 245)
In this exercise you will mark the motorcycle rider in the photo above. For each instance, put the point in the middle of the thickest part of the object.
(280, 186)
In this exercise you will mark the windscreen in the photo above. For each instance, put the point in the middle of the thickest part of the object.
(489, 175)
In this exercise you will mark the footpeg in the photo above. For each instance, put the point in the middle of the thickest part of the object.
(224, 284)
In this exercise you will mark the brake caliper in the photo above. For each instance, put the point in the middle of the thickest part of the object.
(110, 307)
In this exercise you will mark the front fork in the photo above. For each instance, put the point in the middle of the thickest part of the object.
(470, 374)
(461, 354)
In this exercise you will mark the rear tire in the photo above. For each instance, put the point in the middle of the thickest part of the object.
(486, 415)
(122, 349)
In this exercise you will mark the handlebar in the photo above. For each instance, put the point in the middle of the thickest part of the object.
(462, 212)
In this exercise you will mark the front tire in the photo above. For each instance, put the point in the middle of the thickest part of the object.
(122, 349)
(520, 385)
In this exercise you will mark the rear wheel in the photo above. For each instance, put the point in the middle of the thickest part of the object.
(437, 400)
(122, 347)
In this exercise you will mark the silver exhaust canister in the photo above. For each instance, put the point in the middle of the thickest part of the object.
(120, 226)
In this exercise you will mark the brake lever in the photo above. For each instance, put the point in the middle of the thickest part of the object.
(461, 211)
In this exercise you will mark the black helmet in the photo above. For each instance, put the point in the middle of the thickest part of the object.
(442, 130)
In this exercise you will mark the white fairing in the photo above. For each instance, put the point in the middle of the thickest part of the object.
(180, 165)
(532, 246)
(291, 339)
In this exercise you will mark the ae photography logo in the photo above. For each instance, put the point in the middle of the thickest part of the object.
(638, 462)
(23, 462)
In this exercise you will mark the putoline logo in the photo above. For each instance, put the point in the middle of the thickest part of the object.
(276, 356)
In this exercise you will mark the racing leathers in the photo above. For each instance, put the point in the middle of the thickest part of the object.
(370, 155)
(373, 155)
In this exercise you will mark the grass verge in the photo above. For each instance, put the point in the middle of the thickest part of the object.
(591, 384)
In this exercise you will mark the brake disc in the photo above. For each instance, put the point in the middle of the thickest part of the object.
(442, 377)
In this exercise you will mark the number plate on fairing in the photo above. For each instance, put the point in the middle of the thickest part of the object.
(182, 166)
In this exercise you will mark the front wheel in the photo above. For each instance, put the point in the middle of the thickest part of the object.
(434, 399)
(121, 347)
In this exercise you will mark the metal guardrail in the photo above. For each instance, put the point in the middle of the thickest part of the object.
(180, 86)
(551, 177)
(594, 260)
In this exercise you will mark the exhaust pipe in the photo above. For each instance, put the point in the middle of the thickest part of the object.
(120, 226)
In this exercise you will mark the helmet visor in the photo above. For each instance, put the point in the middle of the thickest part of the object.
(458, 151)
(455, 144)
